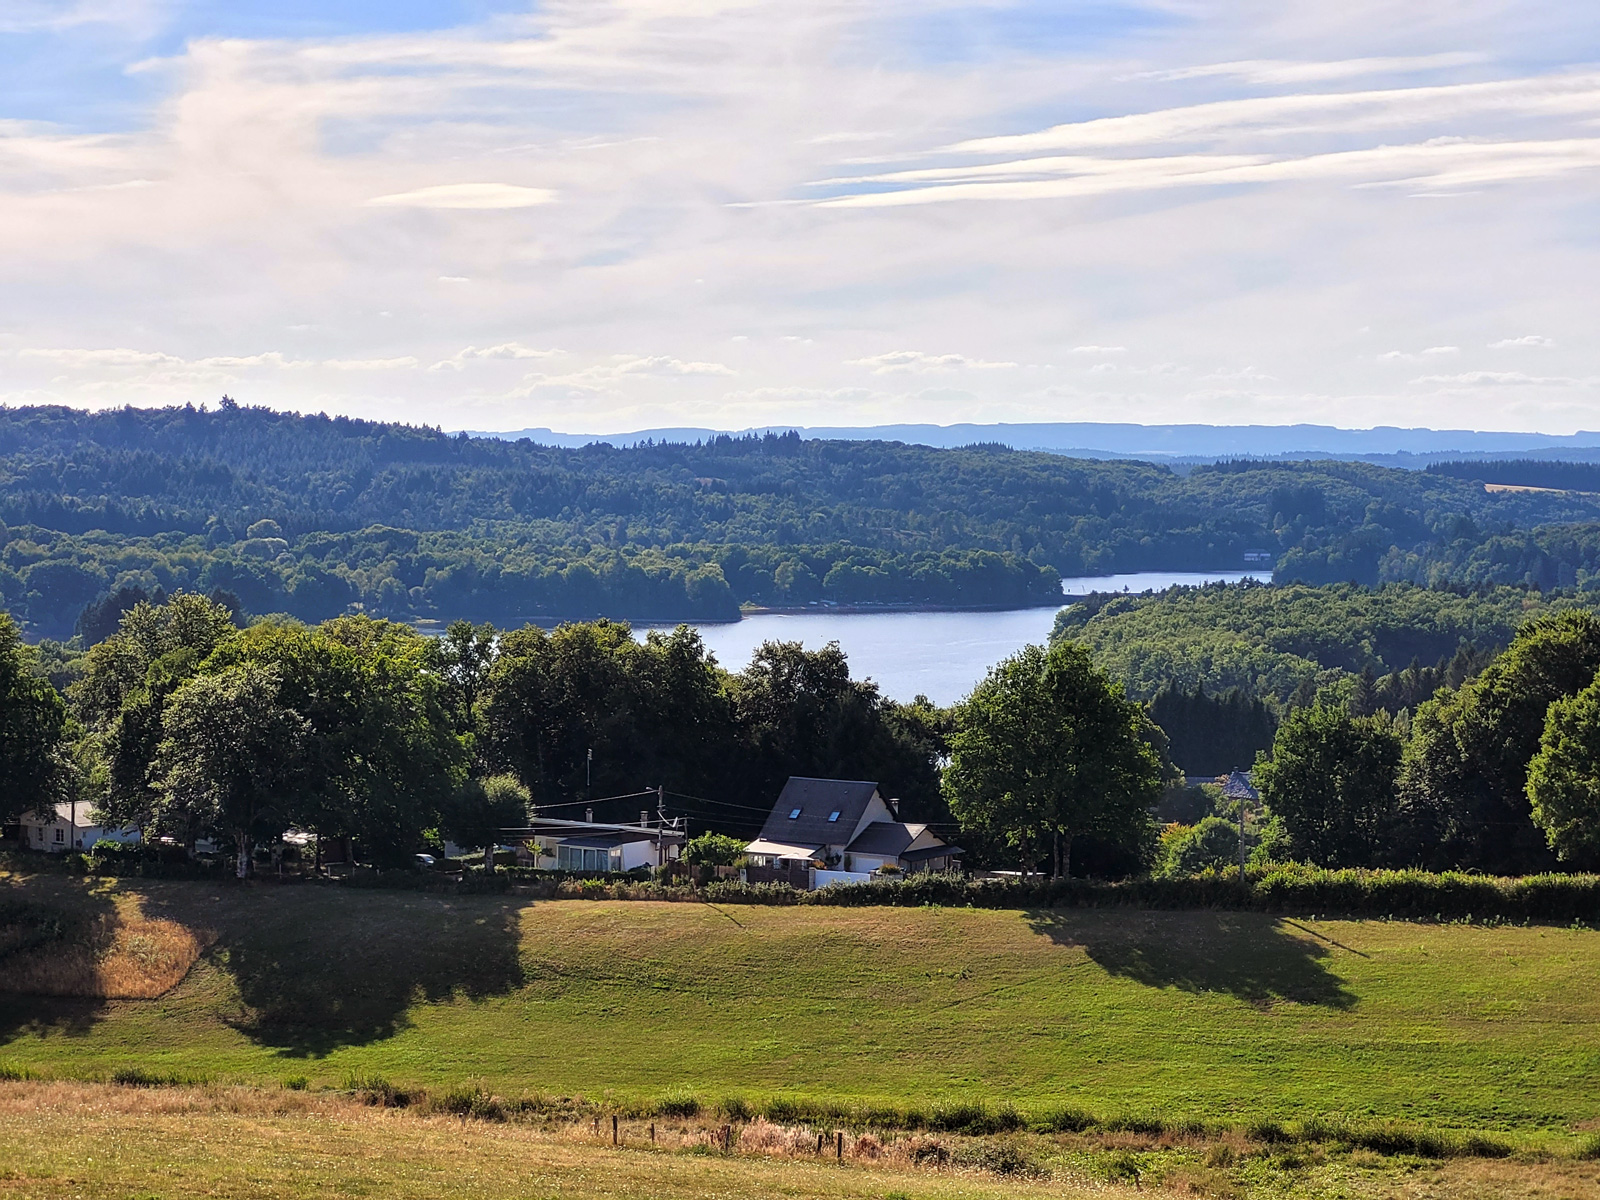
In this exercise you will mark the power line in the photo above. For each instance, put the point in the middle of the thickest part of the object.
(597, 800)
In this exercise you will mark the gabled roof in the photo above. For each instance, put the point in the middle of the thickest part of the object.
(1238, 786)
(817, 799)
(885, 837)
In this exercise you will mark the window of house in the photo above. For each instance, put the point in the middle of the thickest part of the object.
(61, 835)
(793, 813)
(834, 815)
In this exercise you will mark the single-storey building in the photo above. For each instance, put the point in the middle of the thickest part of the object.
(69, 827)
(596, 846)
(824, 831)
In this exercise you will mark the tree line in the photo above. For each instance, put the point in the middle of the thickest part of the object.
(318, 517)
(192, 728)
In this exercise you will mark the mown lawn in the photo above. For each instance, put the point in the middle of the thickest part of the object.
(1221, 1016)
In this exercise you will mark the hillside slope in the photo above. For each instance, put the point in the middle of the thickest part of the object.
(1199, 1014)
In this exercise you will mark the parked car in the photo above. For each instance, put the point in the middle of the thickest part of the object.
(425, 861)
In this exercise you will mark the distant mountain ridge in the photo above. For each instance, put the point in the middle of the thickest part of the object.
(1388, 445)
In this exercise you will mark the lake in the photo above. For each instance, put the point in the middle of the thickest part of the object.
(941, 655)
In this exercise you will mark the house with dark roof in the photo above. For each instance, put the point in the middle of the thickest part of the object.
(824, 831)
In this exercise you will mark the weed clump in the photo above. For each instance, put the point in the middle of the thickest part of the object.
(467, 1103)
(377, 1091)
(1004, 1157)
(139, 1077)
(677, 1104)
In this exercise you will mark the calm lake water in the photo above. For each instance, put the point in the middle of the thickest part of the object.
(940, 655)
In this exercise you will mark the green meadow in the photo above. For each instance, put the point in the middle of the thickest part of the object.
(1209, 1015)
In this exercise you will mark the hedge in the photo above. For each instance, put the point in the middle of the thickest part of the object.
(1424, 895)
(1451, 895)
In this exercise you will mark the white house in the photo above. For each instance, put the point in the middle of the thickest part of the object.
(595, 846)
(70, 828)
(825, 831)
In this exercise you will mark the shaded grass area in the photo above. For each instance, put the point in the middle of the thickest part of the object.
(1116, 1016)
(266, 1142)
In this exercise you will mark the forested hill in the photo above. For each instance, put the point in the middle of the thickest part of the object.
(1293, 642)
(313, 515)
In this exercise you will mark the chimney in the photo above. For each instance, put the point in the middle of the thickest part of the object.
(894, 807)
(588, 815)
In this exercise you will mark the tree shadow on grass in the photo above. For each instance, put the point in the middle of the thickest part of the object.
(1249, 956)
(317, 969)
(44, 917)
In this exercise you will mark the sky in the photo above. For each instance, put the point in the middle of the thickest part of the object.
(603, 215)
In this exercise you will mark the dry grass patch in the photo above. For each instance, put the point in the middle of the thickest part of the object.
(115, 955)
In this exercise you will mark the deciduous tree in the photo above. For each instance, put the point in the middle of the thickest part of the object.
(1047, 748)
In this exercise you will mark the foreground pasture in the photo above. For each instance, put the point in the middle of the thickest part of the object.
(1220, 1017)
(74, 1139)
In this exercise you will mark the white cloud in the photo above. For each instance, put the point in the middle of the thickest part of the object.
(402, 363)
(1231, 186)
(513, 350)
(1531, 339)
(1271, 71)
(664, 365)
(466, 196)
(915, 360)
(1505, 378)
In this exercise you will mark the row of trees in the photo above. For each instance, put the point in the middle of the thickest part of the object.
(190, 727)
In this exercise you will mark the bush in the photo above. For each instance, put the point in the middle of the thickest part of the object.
(1212, 845)
(713, 850)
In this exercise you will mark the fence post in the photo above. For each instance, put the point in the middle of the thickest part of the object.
(652, 1133)
(613, 1130)
(840, 1147)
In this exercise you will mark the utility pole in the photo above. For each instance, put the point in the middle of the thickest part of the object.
(1241, 841)
(588, 771)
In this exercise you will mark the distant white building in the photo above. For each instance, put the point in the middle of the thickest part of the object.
(71, 828)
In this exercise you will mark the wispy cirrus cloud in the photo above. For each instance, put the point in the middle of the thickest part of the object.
(467, 196)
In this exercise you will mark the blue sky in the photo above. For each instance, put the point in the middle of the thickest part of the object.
(606, 214)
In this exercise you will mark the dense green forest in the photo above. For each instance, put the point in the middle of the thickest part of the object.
(316, 516)
(1288, 642)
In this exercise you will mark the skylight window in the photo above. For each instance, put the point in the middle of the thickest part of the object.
(793, 813)
(834, 815)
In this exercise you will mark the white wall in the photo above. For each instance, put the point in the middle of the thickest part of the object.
(821, 879)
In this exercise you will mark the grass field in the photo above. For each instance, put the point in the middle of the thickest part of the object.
(62, 1140)
(1217, 1016)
